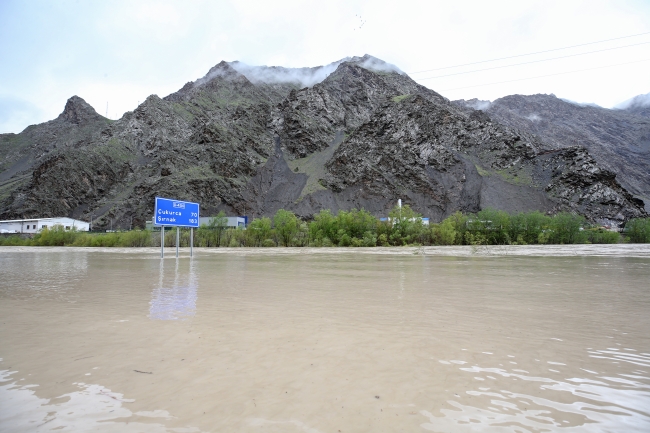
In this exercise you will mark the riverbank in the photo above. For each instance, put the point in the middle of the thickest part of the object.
(616, 250)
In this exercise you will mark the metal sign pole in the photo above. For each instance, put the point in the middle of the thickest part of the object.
(176, 242)
(191, 241)
(162, 242)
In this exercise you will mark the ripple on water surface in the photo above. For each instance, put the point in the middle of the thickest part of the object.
(129, 342)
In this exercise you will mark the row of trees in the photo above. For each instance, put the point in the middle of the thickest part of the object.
(359, 228)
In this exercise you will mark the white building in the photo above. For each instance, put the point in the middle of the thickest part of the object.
(232, 222)
(37, 224)
(235, 221)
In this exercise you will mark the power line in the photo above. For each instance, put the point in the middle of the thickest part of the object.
(547, 75)
(534, 61)
(530, 54)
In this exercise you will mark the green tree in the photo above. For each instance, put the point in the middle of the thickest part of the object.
(444, 233)
(638, 230)
(598, 235)
(286, 226)
(324, 226)
(526, 227)
(566, 228)
(406, 225)
(356, 222)
(491, 226)
(218, 224)
(459, 221)
(259, 230)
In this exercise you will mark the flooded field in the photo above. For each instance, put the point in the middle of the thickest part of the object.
(410, 340)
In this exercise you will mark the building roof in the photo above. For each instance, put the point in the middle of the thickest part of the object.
(42, 219)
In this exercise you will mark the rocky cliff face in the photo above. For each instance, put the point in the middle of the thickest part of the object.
(618, 140)
(356, 133)
(39, 147)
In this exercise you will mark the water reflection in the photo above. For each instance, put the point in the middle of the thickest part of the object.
(176, 299)
(91, 408)
(601, 403)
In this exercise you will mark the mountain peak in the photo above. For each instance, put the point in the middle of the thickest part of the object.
(78, 111)
(375, 64)
(221, 69)
(639, 105)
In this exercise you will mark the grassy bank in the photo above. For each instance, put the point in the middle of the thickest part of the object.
(358, 228)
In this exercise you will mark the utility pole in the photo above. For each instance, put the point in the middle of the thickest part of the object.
(91, 221)
(107, 109)
(399, 203)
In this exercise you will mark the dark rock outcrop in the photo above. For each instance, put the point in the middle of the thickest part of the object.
(618, 140)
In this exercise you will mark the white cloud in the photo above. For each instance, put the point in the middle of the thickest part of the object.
(123, 51)
(637, 101)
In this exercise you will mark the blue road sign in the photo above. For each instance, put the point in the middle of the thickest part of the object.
(176, 213)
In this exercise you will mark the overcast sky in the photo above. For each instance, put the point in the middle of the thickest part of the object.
(119, 52)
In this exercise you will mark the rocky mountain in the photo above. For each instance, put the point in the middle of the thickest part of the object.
(618, 140)
(251, 140)
(24, 155)
(639, 105)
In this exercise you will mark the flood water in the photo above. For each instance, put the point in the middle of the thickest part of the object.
(125, 341)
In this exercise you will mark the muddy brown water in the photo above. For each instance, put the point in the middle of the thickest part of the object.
(123, 341)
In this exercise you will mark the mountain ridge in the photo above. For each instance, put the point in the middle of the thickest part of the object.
(618, 139)
(364, 136)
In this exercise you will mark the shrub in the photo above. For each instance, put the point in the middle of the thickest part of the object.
(259, 230)
(369, 240)
(14, 241)
(526, 227)
(286, 226)
(638, 230)
(443, 233)
(600, 236)
(57, 236)
(344, 239)
(566, 228)
(269, 243)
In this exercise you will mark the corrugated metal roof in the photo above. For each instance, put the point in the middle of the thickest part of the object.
(42, 219)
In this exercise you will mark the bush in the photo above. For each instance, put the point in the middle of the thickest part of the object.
(269, 243)
(259, 230)
(369, 240)
(600, 236)
(14, 241)
(528, 227)
(358, 228)
(286, 226)
(57, 236)
(638, 230)
(443, 233)
(566, 228)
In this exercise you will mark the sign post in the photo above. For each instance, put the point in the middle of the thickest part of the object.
(175, 213)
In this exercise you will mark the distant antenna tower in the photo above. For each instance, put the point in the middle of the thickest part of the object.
(106, 109)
